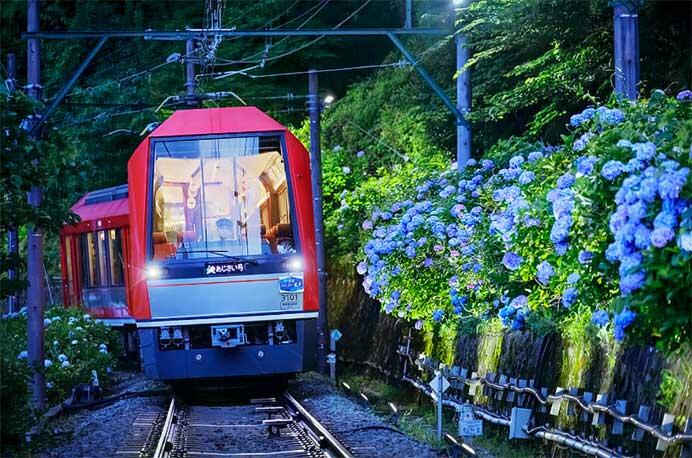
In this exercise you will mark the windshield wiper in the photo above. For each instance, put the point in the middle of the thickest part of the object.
(221, 253)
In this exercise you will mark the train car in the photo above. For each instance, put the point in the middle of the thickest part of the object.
(222, 259)
(93, 256)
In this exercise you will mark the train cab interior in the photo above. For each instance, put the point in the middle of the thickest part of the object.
(220, 197)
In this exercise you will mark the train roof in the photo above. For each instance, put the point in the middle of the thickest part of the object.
(102, 204)
(206, 121)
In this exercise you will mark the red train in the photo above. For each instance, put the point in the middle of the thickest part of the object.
(209, 250)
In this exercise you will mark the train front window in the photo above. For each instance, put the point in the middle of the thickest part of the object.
(214, 198)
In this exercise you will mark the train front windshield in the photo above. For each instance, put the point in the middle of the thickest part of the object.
(220, 197)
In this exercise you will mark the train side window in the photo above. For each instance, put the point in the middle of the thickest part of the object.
(89, 273)
(116, 257)
(102, 244)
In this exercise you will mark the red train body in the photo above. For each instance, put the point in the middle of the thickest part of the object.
(217, 247)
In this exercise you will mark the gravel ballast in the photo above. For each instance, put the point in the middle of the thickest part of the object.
(360, 429)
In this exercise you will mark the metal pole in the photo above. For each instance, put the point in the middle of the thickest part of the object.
(409, 14)
(35, 294)
(626, 48)
(12, 235)
(332, 364)
(463, 101)
(190, 83)
(316, 175)
(439, 405)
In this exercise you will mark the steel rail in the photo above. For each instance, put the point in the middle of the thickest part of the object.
(332, 442)
(201, 34)
(166, 432)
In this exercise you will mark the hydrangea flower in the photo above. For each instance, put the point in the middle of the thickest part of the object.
(565, 181)
(362, 268)
(360, 153)
(585, 257)
(526, 177)
(418, 325)
(610, 116)
(23, 354)
(534, 156)
(573, 278)
(622, 321)
(600, 318)
(346, 169)
(579, 119)
(47, 363)
(685, 241)
(684, 96)
(612, 169)
(544, 272)
(511, 260)
(585, 164)
(438, 315)
(569, 297)
(516, 162)
(661, 236)
(580, 143)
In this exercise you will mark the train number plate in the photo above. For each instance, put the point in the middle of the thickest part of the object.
(291, 301)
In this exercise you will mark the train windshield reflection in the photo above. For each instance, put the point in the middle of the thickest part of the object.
(220, 197)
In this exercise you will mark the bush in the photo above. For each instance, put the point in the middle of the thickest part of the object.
(601, 221)
(75, 345)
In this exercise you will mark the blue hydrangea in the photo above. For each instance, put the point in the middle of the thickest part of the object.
(544, 272)
(516, 162)
(569, 297)
(573, 278)
(612, 169)
(580, 143)
(622, 321)
(585, 257)
(585, 164)
(579, 119)
(561, 248)
(665, 219)
(526, 177)
(511, 260)
(671, 183)
(610, 116)
(487, 164)
(362, 268)
(535, 156)
(519, 302)
(565, 181)
(642, 237)
(632, 282)
(644, 151)
(685, 241)
(428, 262)
(600, 318)
(560, 230)
(367, 225)
(437, 315)
(662, 236)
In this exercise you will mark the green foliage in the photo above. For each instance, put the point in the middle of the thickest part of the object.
(76, 345)
(534, 62)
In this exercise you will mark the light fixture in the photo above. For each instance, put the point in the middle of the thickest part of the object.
(329, 99)
(154, 271)
(295, 264)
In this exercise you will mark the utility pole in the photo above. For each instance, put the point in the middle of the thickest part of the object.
(12, 234)
(35, 296)
(190, 83)
(408, 23)
(316, 175)
(463, 101)
(626, 38)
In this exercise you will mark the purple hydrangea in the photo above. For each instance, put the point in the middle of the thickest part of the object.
(367, 225)
(544, 272)
(511, 260)
(662, 236)
(684, 96)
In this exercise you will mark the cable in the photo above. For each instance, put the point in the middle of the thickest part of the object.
(399, 64)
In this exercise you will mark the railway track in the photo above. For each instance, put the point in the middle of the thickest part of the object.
(266, 427)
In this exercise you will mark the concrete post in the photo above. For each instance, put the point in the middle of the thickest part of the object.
(626, 49)
(12, 235)
(35, 296)
(463, 101)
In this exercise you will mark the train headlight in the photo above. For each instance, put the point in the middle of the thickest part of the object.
(295, 264)
(154, 271)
